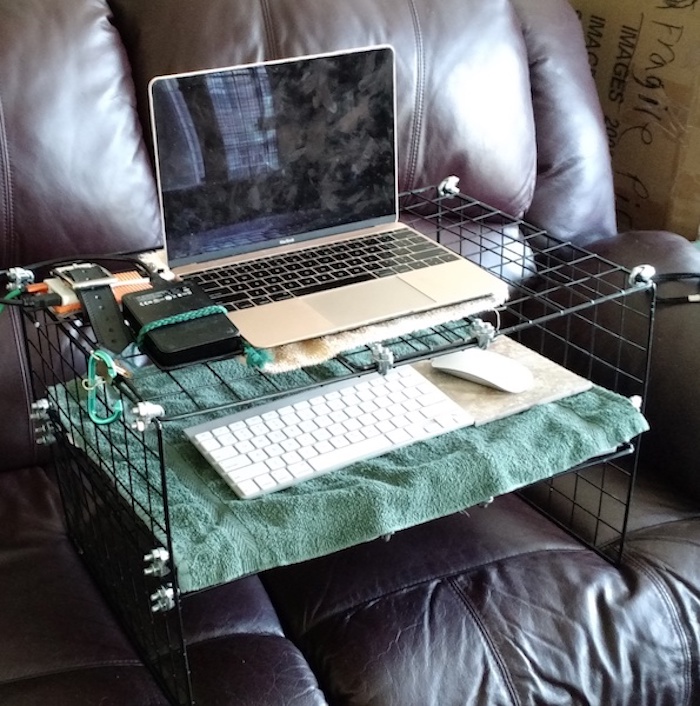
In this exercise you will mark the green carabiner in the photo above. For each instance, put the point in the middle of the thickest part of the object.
(94, 381)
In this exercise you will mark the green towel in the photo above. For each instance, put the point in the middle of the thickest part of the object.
(217, 537)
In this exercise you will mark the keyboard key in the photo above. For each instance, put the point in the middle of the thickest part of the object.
(339, 457)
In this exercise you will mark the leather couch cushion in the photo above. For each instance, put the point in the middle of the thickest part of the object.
(67, 648)
(517, 118)
(492, 607)
(74, 176)
(574, 193)
(454, 109)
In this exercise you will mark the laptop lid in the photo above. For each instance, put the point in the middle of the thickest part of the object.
(254, 156)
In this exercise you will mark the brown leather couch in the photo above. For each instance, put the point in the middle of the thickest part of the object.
(497, 606)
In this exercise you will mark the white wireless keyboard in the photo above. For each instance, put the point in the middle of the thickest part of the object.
(295, 438)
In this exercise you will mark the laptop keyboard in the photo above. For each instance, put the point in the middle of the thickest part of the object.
(282, 443)
(315, 269)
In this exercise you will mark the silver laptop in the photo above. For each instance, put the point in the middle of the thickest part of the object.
(278, 189)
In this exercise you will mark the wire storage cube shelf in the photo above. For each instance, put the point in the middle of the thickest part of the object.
(589, 315)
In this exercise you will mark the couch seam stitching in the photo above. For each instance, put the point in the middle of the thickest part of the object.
(270, 34)
(642, 532)
(486, 635)
(6, 185)
(420, 89)
(653, 576)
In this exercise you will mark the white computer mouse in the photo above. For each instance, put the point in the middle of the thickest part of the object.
(486, 368)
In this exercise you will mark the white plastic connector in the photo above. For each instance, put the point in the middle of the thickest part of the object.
(39, 409)
(449, 186)
(383, 357)
(145, 413)
(642, 274)
(155, 261)
(19, 277)
(163, 599)
(483, 331)
(43, 430)
(45, 438)
(157, 562)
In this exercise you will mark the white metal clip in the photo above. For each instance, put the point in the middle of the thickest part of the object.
(43, 429)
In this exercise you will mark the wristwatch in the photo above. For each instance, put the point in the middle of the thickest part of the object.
(92, 285)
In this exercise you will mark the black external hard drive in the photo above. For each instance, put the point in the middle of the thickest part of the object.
(179, 326)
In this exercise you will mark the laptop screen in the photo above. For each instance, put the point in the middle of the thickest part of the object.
(258, 155)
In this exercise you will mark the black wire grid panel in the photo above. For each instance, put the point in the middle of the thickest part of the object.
(120, 535)
(581, 311)
(577, 309)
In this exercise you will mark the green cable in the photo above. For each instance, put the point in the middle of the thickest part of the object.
(178, 319)
(10, 295)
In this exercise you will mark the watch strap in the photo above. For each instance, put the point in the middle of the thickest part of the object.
(105, 317)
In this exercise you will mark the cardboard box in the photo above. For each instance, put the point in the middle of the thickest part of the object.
(645, 57)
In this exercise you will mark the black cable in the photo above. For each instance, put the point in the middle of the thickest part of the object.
(97, 259)
(689, 299)
(677, 277)
(42, 300)
(11, 299)
(46, 300)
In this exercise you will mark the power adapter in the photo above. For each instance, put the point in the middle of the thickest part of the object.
(184, 337)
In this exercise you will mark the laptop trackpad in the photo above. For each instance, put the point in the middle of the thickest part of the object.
(369, 302)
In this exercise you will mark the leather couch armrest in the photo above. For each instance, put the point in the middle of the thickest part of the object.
(673, 398)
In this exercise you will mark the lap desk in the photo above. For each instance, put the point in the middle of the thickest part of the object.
(518, 440)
